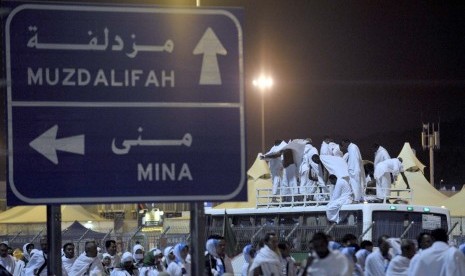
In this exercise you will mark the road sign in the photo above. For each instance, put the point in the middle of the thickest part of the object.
(124, 103)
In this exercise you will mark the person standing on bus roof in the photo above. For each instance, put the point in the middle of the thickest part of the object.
(308, 171)
(356, 170)
(276, 166)
(341, 195)
(289, 185)
(439, 259)
(382, 174)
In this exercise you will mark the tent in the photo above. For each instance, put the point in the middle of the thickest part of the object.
(38, 214)
(455, 204)
(423, 192)
(258, 177)
(259, 169)
(410, 160)
(76, 231)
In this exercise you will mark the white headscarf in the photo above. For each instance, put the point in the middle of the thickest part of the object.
(25, 253)
(127, 256)
(246, 253)
(134, 249)
(211, 247)
(177, 252)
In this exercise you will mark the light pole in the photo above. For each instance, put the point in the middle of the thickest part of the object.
(263, 83)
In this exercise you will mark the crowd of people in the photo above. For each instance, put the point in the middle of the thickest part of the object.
(392, 256)
(430, 254)
(336, 174)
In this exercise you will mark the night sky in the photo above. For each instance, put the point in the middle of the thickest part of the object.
(370, 71)
(363, 70)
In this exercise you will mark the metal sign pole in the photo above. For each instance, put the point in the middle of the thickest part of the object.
(197, 245)
(54, 239)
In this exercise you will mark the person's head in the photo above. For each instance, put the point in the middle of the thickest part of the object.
(439, 234)
(408, 248)
(327, 139)
(220, 245)
(138, 252)
(271, 240)
(149, 258)
(110, 246)
(349, 240)
(18, 254)
(157, 255)
(211, 246)
(345, 144)
(91, 249)
(316, 158)
(181, 250)
(106, 259)
(319, 244)
(169, 253)
(424, 240)
(332, 179)
(3, 249)
(288, 157)
(28, 247)
(44, 244)
(383, 244)
(127, 261)
(248, 253)
(285, 249)
(68, 249)
(368, 245)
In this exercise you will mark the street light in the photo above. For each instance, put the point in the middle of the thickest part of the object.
(263, 83)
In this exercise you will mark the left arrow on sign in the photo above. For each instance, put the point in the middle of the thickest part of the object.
(47, 144)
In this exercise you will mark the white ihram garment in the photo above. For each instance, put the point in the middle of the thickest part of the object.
(438, 260)
(356, 171)
(383, 175)
(380, 155)
(341, 195)
(308, 186)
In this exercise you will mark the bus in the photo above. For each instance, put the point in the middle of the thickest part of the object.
(296, 223)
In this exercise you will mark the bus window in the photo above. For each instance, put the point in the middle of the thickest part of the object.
(287, 220)
(270, 220)
(315, 219)
(242, 221)
(408, 224)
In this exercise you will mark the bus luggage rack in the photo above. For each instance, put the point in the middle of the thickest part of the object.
(265, 198)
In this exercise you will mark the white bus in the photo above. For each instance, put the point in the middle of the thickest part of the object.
(297, 224)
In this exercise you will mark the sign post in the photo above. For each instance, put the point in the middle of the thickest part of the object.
(124, 104)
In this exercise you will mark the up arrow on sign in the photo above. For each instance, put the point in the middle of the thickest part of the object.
(47, 144)
(210, 46)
